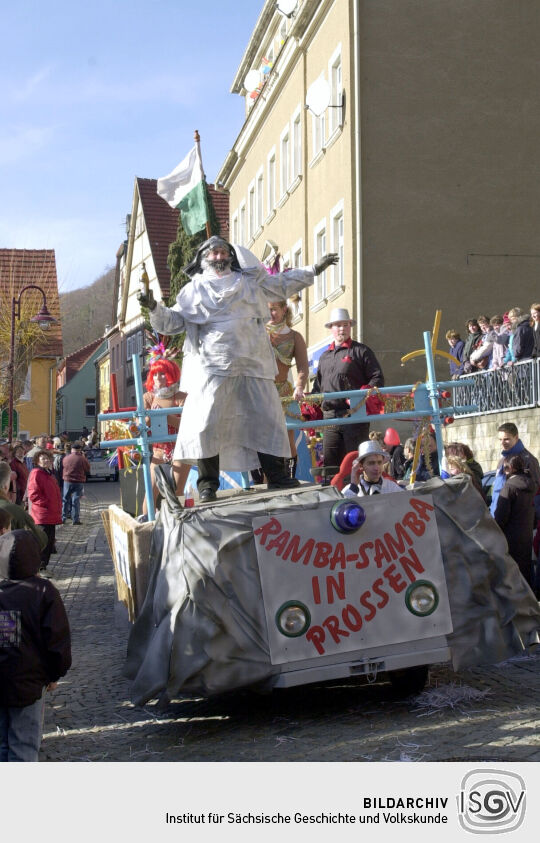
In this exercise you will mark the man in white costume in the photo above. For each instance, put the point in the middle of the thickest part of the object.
(232, 417)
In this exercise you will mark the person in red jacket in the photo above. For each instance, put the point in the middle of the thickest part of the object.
(18, 465)
(75, 468)
(44, 495)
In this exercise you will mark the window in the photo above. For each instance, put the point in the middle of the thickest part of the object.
(235, 229)
(320, 250)
(318, 133)
(251, 211)
(338, 271)
(296, 146)
(336, 89)
(297, 263)
(242, 225)
(284, 161)
(134, 344)
(260, 199)
(139, 223)
(271, 181)
(90, 407)
(26, 394)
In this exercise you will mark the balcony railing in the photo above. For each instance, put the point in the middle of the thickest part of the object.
(512, 388)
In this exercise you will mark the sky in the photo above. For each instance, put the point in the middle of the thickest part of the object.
(95, 94)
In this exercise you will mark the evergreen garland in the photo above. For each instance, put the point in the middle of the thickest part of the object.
(184, 248)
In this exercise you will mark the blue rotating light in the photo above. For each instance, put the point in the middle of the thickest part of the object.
(347, 516)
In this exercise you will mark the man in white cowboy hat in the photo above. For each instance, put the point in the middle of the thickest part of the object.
(366, 473)
(345, 365)
(232, 417)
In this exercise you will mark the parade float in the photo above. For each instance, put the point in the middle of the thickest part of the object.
(275, 589)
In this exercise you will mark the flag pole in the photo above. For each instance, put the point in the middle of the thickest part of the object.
(197, 138)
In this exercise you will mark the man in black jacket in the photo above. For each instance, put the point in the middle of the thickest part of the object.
(35, 645)
(345, 365)
(522, 335)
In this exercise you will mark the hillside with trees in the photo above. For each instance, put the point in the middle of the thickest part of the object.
(86, 312)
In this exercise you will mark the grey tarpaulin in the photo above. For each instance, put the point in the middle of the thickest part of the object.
(202, 627)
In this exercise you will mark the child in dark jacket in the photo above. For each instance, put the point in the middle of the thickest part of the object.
(35, 645)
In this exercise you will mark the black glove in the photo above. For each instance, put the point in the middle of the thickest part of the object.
(146, 299)
(325, 262)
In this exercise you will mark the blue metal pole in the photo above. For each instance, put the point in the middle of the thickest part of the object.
(434, 397)
(142, 439)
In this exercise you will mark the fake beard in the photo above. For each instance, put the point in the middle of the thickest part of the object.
(217, 266)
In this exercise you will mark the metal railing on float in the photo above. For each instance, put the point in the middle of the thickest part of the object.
(426, 401)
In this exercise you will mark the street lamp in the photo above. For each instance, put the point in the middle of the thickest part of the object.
(44, 320)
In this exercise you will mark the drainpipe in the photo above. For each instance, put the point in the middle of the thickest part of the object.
(358, 169)
(305, 172)
(52, 370)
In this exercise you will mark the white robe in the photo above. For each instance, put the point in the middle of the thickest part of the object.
(232, 406)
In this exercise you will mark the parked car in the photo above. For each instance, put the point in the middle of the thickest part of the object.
(99, 465)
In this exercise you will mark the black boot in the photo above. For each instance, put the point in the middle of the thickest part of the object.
(277, 472)
(208, 480)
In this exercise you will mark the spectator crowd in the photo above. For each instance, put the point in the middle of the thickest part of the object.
(496, 342)
(41, 484)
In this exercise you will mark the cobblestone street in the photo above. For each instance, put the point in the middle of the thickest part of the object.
(488, 714)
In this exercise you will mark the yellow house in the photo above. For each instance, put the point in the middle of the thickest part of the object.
(21, 271)
(104, 387)
(401, 134)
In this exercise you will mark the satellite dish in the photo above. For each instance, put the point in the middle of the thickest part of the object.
(270, 250)
(318, 96)
(252, 80)
(286, 7)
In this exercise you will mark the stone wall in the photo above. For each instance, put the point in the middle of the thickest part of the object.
(480, 433)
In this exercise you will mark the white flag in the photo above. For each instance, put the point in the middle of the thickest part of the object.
(184, 189)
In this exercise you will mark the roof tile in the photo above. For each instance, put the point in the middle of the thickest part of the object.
(18, 269)
(75, 361)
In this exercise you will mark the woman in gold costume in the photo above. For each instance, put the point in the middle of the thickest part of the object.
(289, 346)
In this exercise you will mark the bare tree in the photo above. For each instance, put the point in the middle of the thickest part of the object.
(28, 335)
